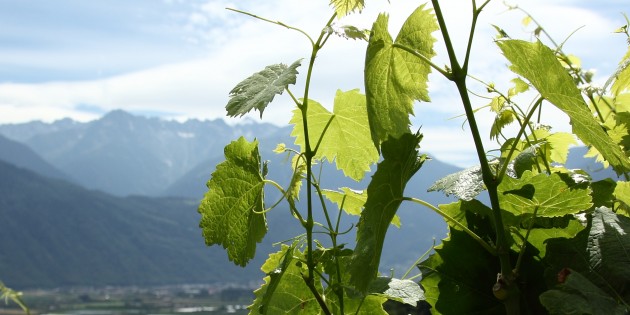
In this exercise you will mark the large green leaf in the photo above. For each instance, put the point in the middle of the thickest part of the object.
(578, 295)
(284, 290)
(622, 192)
(394, 78)
(458, 278)
(231, 209)
(538, 64)
(621, 77)
(347, 139)
(257, 91)
(601, 253)
(401, 161)
(547, 193)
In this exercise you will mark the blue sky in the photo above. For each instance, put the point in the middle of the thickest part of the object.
(178, 59)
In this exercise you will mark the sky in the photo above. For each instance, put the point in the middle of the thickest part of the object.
(178, 59)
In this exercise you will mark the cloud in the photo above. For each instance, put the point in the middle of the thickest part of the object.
(191, 84)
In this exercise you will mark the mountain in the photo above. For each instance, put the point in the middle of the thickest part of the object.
(123, 154)
(54, 233)
(22, 156)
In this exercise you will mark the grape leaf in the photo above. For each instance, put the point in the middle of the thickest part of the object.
(458, 278)
(235, 194)
(465, 185)
(549, 193)
(257, 91)
(347, 139)
(578, 295)
(600, 252)
(284, 290)
(559, 143)
(394, 78)
(520, 86)
(609, 246)
(402, 290)
(538, 64)
(352, 201)
(621, 77)
(622, 192)
(345, 7)
(502, 119)
(401, 161)
(353, 300)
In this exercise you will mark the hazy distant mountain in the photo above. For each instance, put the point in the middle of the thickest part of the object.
(53, 233)
(22, 156)
(125, 154)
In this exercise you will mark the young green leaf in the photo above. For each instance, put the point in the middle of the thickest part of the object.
(347, 139)
(547, 193)
(230, 210)
(401, 161)
(345, 7)
(284, 290)
(394, 78)
(538, 64)
(257, 91)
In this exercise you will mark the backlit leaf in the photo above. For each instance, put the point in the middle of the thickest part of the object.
(538, 64)
(394, 78)
(502, 119)
(401, 161)
(621, 77)
(560, 143)
(347, 139)
(257, 91)
(284, 290)
(622, 192)
(549, 193)
(235, 194)
(345, 7)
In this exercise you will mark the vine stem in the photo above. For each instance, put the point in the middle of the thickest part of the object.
(308, 155)
(459, 75)
(274, 22)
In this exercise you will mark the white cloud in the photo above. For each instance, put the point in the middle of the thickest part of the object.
(239, 46)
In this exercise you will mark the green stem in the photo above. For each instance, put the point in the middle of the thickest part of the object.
(503, 248)
(472, 234)
(518, 136)
(310, 279)
(476, 12)
(274, 22)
